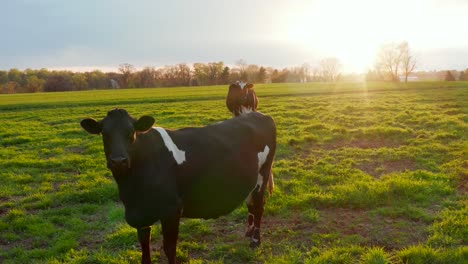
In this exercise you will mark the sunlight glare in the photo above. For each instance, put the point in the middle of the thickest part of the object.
(352, 31)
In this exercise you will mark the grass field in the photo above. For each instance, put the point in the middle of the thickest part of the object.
(364, 173)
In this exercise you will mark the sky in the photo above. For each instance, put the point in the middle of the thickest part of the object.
(101, 34)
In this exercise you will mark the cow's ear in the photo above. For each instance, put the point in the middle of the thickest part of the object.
(249, 86)
(91, 125)
(233, 86)
(144, 123)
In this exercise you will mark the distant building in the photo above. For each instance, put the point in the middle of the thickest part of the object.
(114, 84)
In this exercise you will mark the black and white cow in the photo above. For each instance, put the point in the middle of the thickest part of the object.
(201, 172)
(241, 98)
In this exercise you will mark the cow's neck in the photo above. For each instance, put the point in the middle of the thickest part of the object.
(148, 179)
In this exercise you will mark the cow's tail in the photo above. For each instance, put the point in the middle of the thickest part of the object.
(271, 183)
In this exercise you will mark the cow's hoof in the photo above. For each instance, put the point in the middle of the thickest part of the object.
(254, 245)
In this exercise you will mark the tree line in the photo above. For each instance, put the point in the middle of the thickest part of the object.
(394, 62)
(127, 76)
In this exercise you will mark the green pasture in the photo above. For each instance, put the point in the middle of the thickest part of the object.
(364, 173)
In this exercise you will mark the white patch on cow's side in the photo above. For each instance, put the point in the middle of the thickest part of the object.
(262, 156)
(245, 110)
(242, 84)
(248, 200)
(259, 181)
(179, 155)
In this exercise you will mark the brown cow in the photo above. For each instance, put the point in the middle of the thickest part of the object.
(241, 98)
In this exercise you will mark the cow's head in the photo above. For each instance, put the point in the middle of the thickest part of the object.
(118, 131)
(241, 97)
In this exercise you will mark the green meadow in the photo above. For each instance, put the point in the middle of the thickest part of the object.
(364, 173)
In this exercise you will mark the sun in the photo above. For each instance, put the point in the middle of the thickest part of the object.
(351, 31)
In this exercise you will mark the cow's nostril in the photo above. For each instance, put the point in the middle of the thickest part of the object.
(119, 160)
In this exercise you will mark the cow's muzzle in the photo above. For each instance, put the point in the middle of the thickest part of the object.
(118, 162)
(242, 100)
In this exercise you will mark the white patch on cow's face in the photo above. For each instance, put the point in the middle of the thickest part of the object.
(245, 110)
(179, 155)
(242, 84)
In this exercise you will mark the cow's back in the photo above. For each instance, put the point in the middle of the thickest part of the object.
(221, 165)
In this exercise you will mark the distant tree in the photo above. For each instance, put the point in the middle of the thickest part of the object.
(389, 60)
(408, 60)
(463, 75)
(146, 78)
(200, 73)
(305, 72)
(79, 82)
(30, 72)
(225, 75)
(449, 77)
(15, 75)
(183, 75)
(126, 70)
(43, 74)
(169, 76)
(3, 77)
(372, 76)
(316, 74)
(10, 87)
(98, 80)
(279, 76)
(34, 84)
(234, 75)
(250, 74)
(242, 67)
(330, 68)
(261, 75)
(58, 82)
(215, 70)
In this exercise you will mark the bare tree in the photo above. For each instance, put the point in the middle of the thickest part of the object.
(408, 60)
(214, 71)
(242, 66)
(305, 72)
(449, 77)
(183, 74)
(393, 57)
(127, 70)
(146, 77)
(330, 68)
(388, 61)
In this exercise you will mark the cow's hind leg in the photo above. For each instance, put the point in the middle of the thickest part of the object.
(256, 212)
(256, 206)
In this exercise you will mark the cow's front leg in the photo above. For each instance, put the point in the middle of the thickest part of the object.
(144, 236)
(170, 230)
